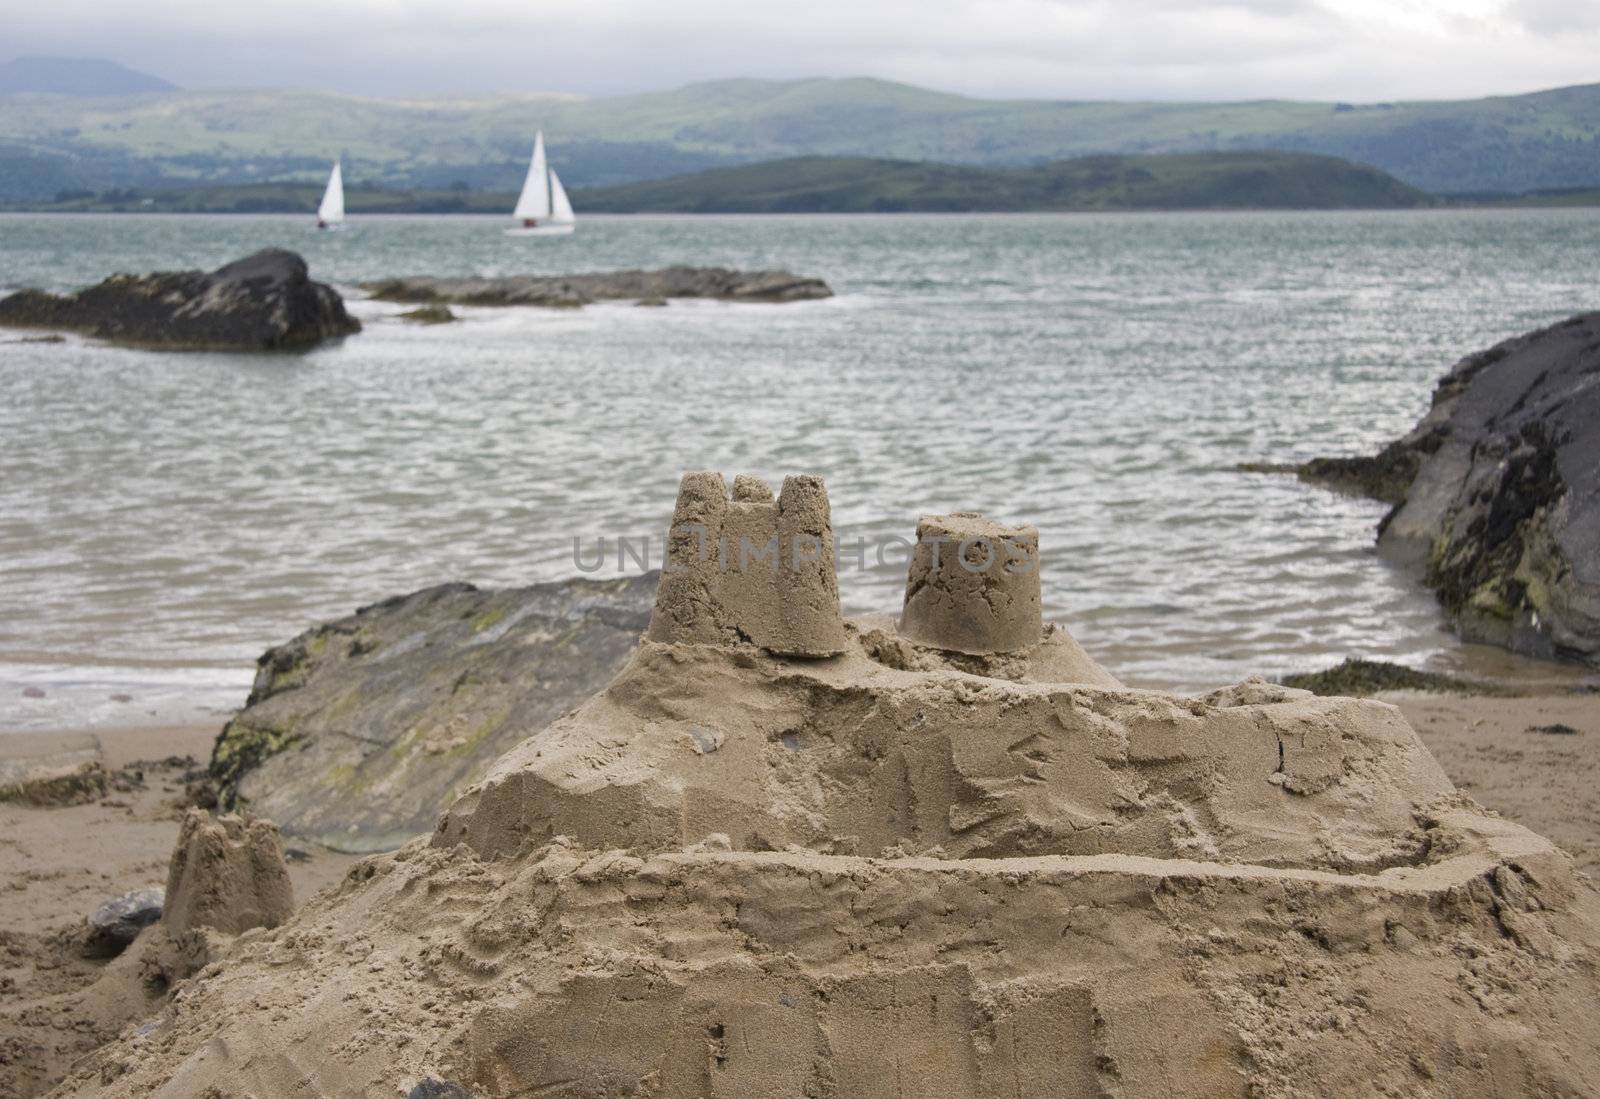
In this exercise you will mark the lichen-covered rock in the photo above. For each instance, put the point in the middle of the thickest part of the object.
(1497, 492)
(568, 291)
(264, 302)
(358, 733)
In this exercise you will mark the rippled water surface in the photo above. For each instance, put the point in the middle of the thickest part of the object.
(165, 517)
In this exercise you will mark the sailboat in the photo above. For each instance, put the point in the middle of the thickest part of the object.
(542, 208)
(330, 214)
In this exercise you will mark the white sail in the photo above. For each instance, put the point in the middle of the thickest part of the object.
(560, 205)
(331, 212)
(535, 199)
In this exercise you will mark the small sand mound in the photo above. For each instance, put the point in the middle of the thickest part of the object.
(947, 855)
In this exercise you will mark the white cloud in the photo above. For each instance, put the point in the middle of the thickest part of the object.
(1190, 49)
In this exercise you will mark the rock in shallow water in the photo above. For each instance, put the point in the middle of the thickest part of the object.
(264, 302)
(645, 287)
(1497, 492)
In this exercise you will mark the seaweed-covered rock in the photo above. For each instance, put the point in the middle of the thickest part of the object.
(46, 772)
(264, 302)
(567, 291)
(1356, 678)
(1497, 492)
(359, 732)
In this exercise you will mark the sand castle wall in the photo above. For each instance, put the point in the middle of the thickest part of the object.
(898, 869)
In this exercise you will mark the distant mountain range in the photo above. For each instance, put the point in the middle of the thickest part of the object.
(55, 143)
(76, 76)
(1169, 181)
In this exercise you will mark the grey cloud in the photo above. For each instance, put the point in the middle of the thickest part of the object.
(1555, 17)
(1185, 49)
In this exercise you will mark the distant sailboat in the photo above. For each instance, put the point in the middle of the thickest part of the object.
(330, 215)
(543, 208)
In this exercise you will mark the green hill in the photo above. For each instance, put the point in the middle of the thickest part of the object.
(52, 143)
(1174, 181)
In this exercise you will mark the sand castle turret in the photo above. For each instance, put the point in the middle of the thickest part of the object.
(973, 585)
(751, 569)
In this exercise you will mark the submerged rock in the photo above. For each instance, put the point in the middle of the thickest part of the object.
(566, 291)
(360, 732)
(429, 314)
(903, 870)
(1497, 492)
(264, 302)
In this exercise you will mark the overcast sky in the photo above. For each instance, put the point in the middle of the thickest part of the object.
(1114, 49)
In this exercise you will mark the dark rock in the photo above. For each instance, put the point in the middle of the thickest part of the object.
(1558, 729)
(263, 302)
(117, 922)
(1497, 492)
(568, 291)
(359, 732)
(1385, 476)
(1361, 678)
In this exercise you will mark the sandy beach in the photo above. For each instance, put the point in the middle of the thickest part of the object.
(1511, 756)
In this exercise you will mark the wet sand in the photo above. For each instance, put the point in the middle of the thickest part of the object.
(1545, 781)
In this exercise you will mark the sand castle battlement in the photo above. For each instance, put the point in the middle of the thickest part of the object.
(751, 568)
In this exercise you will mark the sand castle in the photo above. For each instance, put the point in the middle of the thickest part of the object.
(786, 854)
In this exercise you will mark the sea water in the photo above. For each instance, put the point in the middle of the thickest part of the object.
(164, 517)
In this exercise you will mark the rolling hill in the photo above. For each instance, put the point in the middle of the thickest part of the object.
(75, 76)
(52, 143)
(1172, 181)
